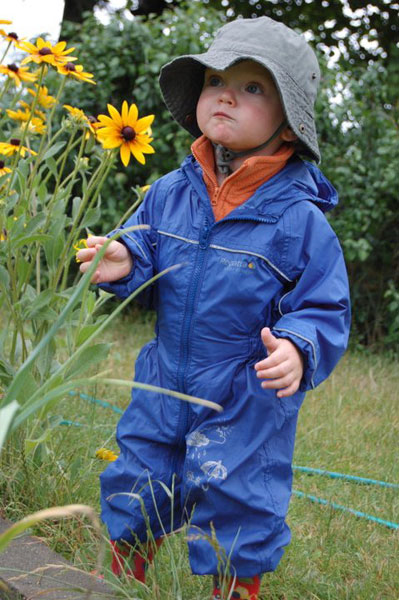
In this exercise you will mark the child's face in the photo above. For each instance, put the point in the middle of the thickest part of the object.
(240, 108)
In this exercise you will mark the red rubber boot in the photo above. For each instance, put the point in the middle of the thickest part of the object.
(132, 563)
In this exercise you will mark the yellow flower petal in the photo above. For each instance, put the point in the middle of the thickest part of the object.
(139, 156)
(59, 47)
(144, 123)
(110, 143)
(125, 113)
(109, 122)
(125, 154)
(146, 149)
(108, 131)
(133, 114)
(116, 117)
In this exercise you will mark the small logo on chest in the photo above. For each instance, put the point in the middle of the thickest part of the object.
(236, 265)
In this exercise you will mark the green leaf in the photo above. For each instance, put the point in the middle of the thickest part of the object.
(91, 217)
(75, 206)
(29, 239)
(87, 357)
(42, 300)
(42, 192)
(4, 277)
(23, 270)
(53, 150)
(34, 223)
(85, 333)
(52, 165)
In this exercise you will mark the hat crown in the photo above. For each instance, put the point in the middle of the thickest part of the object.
(266, 40)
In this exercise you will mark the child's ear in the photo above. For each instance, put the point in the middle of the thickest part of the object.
(288, 135)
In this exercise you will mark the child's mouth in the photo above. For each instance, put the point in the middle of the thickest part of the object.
(222, 115)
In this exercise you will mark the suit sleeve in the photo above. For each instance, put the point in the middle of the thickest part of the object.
(141, 243)
(315, 313)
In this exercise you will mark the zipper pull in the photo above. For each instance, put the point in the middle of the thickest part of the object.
(203, 241)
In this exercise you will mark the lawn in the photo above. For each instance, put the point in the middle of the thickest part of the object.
(350, 425)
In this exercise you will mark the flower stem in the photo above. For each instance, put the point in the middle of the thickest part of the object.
(5, 52)
(96, 183)
(34, 104)
(5, 88)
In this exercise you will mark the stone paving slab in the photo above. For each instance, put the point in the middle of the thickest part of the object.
(29, 570)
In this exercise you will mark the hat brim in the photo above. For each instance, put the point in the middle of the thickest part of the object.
(181, 82)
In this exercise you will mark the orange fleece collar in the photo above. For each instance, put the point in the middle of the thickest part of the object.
(241, 184)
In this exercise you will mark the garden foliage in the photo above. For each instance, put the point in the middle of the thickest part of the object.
(56, 160)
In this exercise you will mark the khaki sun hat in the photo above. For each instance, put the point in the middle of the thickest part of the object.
(283, 52)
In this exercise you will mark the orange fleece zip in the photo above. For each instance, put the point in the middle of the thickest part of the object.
(241, 184)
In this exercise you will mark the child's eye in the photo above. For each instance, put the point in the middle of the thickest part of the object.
(214, 81)
(254, 88)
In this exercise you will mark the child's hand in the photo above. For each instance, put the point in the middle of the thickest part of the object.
(283, 368)
(115, 264)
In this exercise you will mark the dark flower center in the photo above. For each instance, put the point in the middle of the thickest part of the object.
(45, 51)
(13, 67)
(128, 133)
(2, 163)
(15, 142)
(13, 35)
(70, 66)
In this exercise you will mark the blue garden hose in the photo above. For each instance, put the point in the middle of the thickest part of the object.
(308, 470)
(353, 478)
(336, 506)
(102, 403)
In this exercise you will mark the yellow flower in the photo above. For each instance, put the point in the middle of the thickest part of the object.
(71, 70)
(11, 37)
(12, 147)
(105, 454)
(79, 117)
(5, 22)
(38, 112)
(126, 131)
(44, 52)
(36, 126)
(18, 74)
(18, 115)
(77, 114)
(79, 246)
(44, 98)
(3, 169)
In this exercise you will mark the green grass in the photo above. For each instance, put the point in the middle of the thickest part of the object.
(350, 424)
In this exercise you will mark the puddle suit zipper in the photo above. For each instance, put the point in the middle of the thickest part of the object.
(188, 317)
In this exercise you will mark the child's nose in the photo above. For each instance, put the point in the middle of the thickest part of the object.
(227, 95)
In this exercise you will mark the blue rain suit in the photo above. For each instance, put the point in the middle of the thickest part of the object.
(273, 261)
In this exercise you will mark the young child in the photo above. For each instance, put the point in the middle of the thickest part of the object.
(256, 315)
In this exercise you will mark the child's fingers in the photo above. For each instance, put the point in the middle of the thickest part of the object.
(290, 390)
(96, 277)
(271, 361)
(86, 254)
(94, 240)
(84, 266)
(280, 370)
(277, 384)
